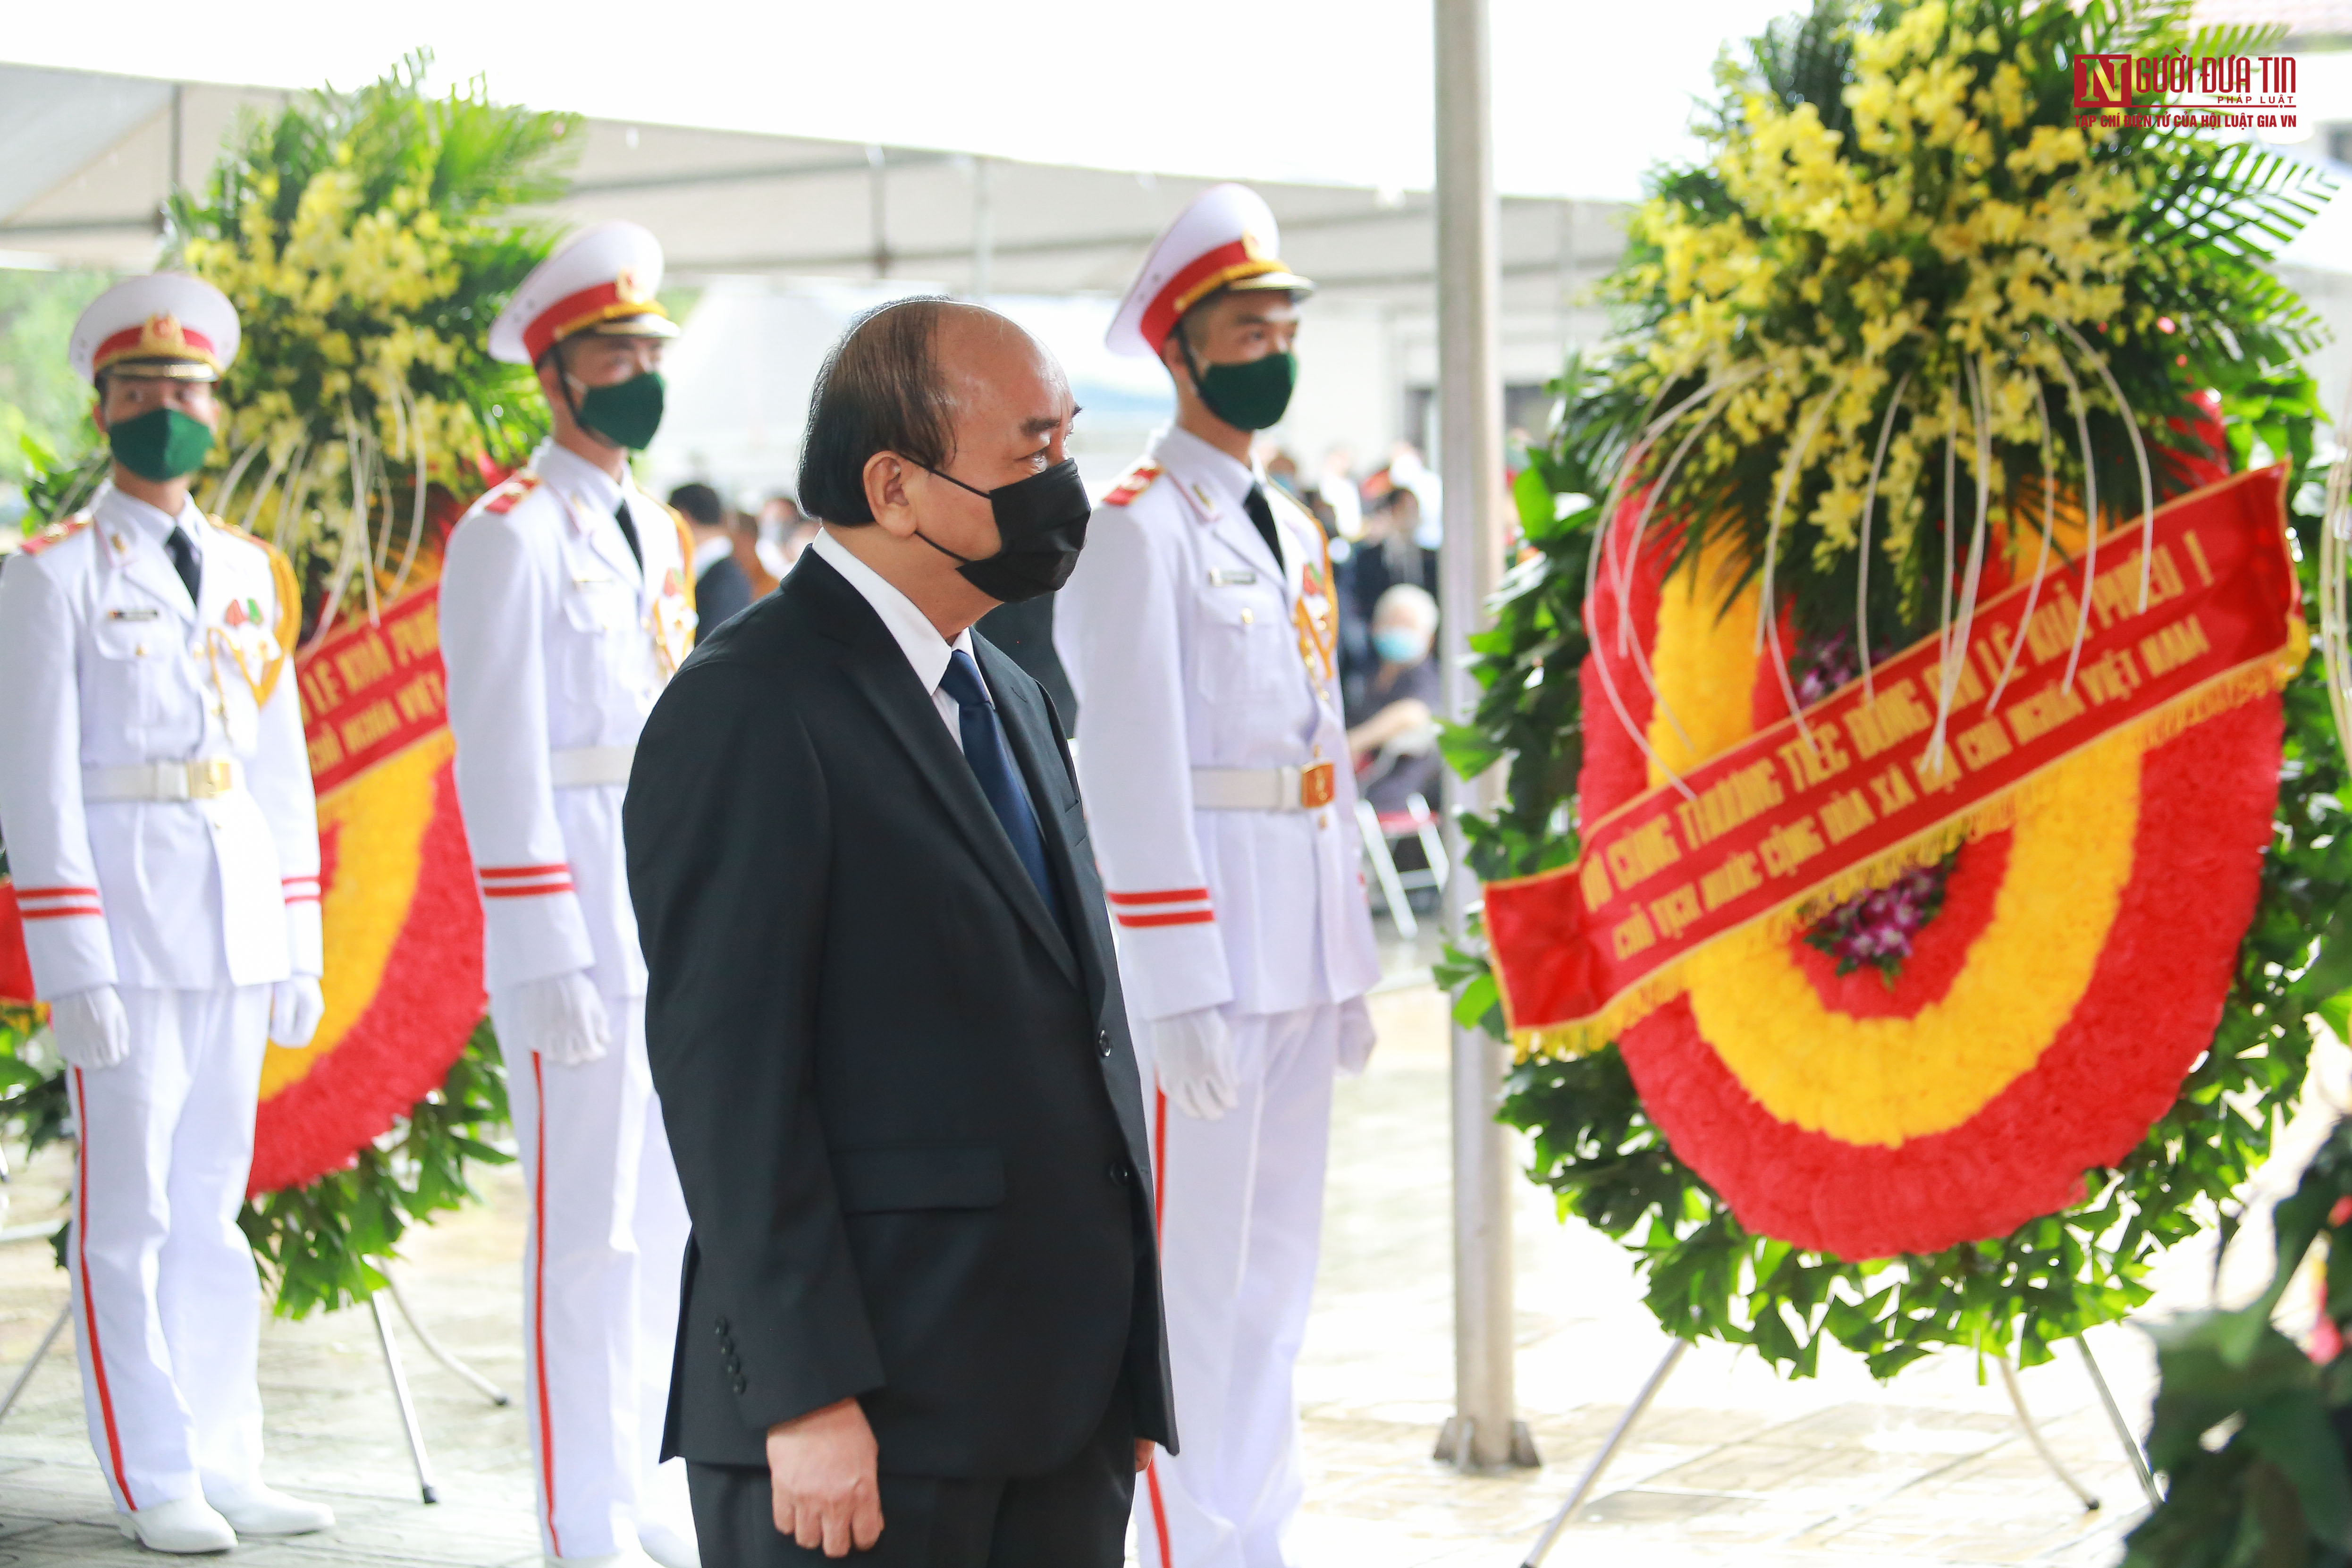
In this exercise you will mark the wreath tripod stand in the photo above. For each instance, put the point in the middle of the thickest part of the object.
(1657, 1379)
(427, 1487)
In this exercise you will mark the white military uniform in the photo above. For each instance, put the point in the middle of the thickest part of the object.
(1215, 765)
(155, 798)
(557, 640)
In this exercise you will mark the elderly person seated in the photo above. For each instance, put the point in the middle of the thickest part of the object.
(1392, 729)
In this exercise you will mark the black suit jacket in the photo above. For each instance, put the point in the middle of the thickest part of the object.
(903, 1102)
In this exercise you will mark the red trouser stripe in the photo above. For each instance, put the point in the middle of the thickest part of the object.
(538, 1306)
(89, 1301)
(1159, 1208)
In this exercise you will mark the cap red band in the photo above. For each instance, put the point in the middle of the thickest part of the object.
(570, 314)
(1208, 270)
(126, 343)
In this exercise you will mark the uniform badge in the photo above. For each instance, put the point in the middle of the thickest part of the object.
(673, 621)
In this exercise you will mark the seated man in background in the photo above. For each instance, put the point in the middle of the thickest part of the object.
(1392, 734)
(720, 588)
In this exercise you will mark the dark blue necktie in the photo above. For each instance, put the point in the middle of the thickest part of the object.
(1000, 781)
(183, 551)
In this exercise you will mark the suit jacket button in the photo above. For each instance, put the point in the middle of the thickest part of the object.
(721, 1327)
(1102, 1040)
(1121, 1171)
(740, 1385)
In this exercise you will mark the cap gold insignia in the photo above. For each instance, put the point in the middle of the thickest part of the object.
(163, 333)
(1254, 248)
(627, 287)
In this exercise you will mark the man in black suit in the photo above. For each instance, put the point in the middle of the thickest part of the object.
(921, 1313)
(721, 589)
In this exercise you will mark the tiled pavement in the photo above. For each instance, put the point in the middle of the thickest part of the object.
(1732, 1465)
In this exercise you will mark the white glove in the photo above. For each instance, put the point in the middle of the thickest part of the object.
(1193, 1053)
(90, 1028)
(1357, 1036)
(295, 1006)
(562, 1019)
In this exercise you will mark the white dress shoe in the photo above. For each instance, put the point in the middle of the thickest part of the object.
(266, 1511)
(669, 1545)
(182, 1527)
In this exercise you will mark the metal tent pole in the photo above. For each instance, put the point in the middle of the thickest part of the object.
(983, 231)
(1470, 423)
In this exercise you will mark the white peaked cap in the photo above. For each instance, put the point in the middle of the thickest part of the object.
(603, 280)
(1225, 239)
(167, 324)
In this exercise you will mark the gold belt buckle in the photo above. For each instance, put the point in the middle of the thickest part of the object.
(1316, 785)
(211, 778)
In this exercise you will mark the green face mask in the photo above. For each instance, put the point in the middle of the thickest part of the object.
(1251, 395)
(627, 412)
(161, 444)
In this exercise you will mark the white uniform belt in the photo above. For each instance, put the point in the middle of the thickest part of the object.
(1264, 789)
(208, 780)
(577, 768)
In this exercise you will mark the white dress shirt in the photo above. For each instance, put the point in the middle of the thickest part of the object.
(926, 650)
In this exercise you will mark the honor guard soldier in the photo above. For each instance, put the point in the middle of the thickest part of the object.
(155, 798)
(566, 603)
(1199, 631)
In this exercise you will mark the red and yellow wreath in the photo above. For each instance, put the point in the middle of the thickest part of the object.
(2046, 1011)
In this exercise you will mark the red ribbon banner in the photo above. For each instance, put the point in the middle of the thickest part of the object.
(1797, 812)
(371, 690)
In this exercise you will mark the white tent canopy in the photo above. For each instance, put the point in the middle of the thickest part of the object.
(90, 157)
(1587, 94)
(788, 234)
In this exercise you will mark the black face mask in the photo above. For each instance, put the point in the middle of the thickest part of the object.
(1041, 526)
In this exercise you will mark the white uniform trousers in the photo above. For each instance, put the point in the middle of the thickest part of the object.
(1239, 1205)
(166, 1300)
(599, 1277)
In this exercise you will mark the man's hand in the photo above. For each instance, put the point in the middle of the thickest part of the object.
(89, 1027)
(1193, 1054)
(820, 1465)
(1143, 1451)
(295, 1006)
(561, 1018)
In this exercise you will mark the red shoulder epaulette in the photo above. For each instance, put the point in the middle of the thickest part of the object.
(56, 531)
(503, 498)
(1132, 483)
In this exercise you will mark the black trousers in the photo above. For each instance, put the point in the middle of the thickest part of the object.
(1073, 1518)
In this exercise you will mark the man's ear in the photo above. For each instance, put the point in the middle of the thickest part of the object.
(97, 414)
(885, 494)
(1171, 355)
